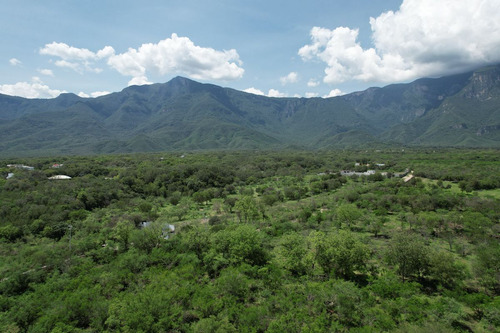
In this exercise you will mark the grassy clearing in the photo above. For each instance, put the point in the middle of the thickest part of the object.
(454, 188)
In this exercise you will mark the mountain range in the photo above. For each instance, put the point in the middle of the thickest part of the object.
(460, 110)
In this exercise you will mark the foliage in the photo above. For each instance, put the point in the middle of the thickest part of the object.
(293, 254)
(341, 253)
(409, 253)
(250, 242)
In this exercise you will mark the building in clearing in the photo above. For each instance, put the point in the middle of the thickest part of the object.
(408, 177)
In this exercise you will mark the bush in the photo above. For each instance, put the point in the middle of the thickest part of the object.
(10, 233)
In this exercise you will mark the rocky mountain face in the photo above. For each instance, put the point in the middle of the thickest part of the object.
(459, 110)
(483, 84)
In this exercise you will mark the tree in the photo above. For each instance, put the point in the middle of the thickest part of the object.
(148, 237)
(10, 232)
(122, 233)
(175, 198)
(242, 244)
(487, 264)
(247, 209)
(409, 253)
(465, 186)
(292, 254)
(340, 254)
(345, 301)
(376, 224)
(229, 203)
(182, 208)
(145, 207)
(195, 238)
(202, 196)
(445, 269)
(347, 214)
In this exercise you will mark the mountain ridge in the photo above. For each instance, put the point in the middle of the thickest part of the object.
(461, 110)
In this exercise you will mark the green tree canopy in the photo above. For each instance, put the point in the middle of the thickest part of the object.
(409, 253)
(341, 253)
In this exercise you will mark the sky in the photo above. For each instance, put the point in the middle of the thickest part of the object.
(314, 48)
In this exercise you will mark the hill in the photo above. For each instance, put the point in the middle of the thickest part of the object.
(459, 110)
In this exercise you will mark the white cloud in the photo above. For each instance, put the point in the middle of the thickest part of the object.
(139, 81)
(334, 93)
(34, 89)
(311, 94)
(312, 83)
(105, 52)
(78, 67)
(67, 64)
(254, 91)
(93, 94)
(422, 38)
(174, 55)
(99, 93)
(270, 93)
(66, 52)
(77, 59)
(292, 77)
(177, 55)
(275, 93)
(47, 72)
(15, 62)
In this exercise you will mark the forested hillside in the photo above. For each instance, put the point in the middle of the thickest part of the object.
(361, 241)
(183, 115)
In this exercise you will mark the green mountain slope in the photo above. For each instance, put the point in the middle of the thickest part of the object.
(469, 118)
(457, 110)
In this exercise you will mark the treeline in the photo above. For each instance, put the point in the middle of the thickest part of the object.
(251, 242)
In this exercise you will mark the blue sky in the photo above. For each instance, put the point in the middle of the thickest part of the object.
(276, 48)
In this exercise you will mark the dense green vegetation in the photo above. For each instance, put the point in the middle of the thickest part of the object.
(263, 241)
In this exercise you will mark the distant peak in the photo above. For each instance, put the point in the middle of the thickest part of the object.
(180, 84)
(68, 97)
(182, 80)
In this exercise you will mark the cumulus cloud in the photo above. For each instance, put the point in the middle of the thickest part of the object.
(270, 93)
(66, 52)
(93, 94)
(293, 77)
(34, 89)
(45, 71)
(139, 81)
(275, 93)
(177, 55)
(99, 93)
(254, 91)
(312, 83)
(77, 59)
(15, 62)
(334, 93)
(422, 38)
(174, 55)
(68, 64)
